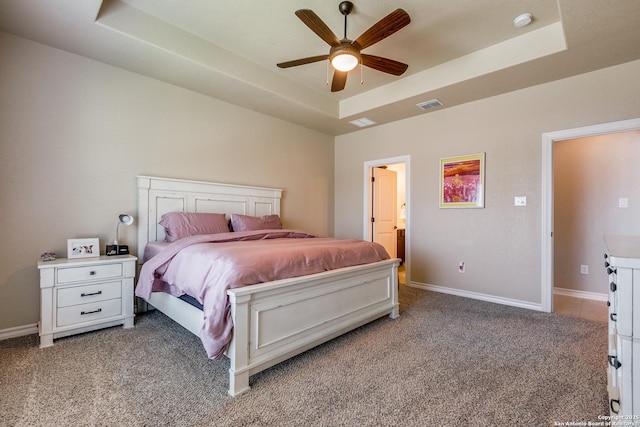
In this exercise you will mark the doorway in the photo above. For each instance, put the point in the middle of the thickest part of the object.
(548, 139)
(396, 205)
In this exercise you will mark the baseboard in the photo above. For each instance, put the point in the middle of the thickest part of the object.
(478, 296)
(18, 331)
(581, 294)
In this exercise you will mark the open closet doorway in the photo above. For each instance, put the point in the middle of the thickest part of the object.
(548, 140)
(386, 208)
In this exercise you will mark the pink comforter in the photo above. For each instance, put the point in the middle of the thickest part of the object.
(206, 266)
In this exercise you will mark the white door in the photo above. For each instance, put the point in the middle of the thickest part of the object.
(383, 221)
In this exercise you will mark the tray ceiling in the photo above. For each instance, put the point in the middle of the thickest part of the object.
(457, 50)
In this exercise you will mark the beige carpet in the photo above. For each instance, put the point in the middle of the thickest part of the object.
(447, 361)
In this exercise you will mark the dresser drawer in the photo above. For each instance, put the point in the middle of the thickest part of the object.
(89, 312)
(92, 272)
(89, 293)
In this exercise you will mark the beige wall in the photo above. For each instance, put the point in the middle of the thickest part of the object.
(74, 133)
(590, 176)
(500, 244)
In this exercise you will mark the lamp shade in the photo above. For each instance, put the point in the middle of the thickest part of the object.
(126, 219)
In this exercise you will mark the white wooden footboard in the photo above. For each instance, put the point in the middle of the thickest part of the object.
(277, 320)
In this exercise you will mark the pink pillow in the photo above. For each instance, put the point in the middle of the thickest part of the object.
(178, 225)
(250, 223)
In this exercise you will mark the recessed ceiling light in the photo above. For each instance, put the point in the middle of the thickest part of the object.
(362, 122)
(523, 20)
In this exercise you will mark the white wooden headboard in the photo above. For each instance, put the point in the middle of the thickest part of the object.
(157, 196)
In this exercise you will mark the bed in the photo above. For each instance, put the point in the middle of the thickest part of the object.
(271, 321)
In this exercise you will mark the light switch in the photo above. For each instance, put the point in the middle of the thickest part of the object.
(623, 202)
(520, 201)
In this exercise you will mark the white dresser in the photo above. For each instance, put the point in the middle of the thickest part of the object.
(622, 261)
(80, 295)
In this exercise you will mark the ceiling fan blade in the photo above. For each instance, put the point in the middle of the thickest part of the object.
(385, 65)
(302, 61)
(388, 25)
(339, 80)
(316, 25)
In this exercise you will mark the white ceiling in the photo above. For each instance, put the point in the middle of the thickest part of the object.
(457, 50)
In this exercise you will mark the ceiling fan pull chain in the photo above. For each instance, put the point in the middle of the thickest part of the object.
(328, 73)
(361, 73)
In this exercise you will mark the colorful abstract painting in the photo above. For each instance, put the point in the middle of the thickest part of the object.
(462, 181)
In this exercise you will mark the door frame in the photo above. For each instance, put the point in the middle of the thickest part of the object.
(547, 193)
(368, 166)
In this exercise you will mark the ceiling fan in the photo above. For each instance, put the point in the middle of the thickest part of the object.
(345, 54)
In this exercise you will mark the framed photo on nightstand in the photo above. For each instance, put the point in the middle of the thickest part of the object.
(83, 248)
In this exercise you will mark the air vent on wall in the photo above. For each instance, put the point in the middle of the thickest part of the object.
(427, 105)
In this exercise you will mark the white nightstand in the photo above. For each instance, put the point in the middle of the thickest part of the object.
(80, 295)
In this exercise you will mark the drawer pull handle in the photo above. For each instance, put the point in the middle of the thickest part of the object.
(613, 361)
(613, 317)
(92, 273)
(617, 402)
(82, 313)
(90, 294)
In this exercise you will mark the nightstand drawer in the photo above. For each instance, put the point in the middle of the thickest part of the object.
(77, 274)
(89, 312)
(89, 293)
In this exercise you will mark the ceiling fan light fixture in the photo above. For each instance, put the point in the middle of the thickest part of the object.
(344, 58)
(344, 62)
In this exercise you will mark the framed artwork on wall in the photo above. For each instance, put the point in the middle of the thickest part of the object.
(83, 248)
(462, 181)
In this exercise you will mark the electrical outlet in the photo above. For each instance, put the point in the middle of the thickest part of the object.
(623, 202)
(520, 201)
(461, 267)
(584, 269)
